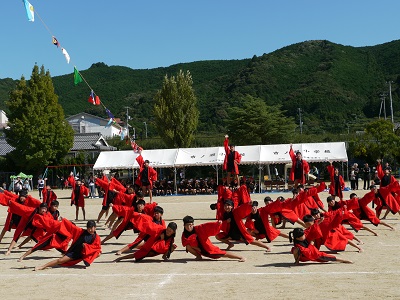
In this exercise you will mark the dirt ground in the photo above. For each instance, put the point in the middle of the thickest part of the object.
(374, 273)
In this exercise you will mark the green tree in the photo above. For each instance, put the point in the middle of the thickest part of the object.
(257, 123)
(38, 129)
(378, 141)
(175, 110)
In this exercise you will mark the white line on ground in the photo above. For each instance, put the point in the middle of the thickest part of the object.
(170, 276)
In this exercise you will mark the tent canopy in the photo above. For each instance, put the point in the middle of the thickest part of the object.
(22, 176)
(258, 154)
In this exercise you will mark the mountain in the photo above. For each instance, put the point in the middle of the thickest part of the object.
(334, 86)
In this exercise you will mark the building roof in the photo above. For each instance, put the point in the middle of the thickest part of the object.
(5, 147)
(90, 141)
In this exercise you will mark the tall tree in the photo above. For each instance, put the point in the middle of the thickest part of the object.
(38, 129)
(378, 141)
(255, 122)
(175, 110)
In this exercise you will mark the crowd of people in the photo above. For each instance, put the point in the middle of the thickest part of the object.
(238, 218)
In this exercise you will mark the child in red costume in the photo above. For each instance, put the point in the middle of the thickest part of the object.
(197, 242)
(85, 247)
(304, 251)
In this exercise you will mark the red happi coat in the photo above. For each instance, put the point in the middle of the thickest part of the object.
(363, 212)
(237, 158)
(152, 174)
(239, 214)
(381, 174)
(25, 227)
(84, 191)
(331, 171)
(200, 239)
(90, 251)
(305, 167)
(349, 217)
(385, 199)
(271, 233)
(6, 197)
(57, 236)
(332, 236)
(107, 186)
(48, 196)
(142, 236)
(308, 252)
(154, 245)
(127, 213)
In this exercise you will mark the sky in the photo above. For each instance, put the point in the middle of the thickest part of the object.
(159, 33)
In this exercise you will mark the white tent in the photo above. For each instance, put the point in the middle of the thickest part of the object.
(214, 156)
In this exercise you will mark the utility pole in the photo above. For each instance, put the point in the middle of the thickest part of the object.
(383, 104)
(391, 101)
(127, 119)
(145, 127)
(301, 123)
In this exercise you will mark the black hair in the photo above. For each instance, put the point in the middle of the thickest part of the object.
(255, 203)
(55, 202)
(280, 198)
(140, 202)
(90, 224)
(352, 195)
(308, 218)
(267, 199)
(296, 233)
(229, 202)
(188, 219)
(139, 194)
(44, 204)
(300, 186)
(329, 199)
(173, 226)
(158, 209)
(314, 211)
(213, 206)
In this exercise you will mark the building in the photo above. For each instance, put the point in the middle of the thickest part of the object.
(3, 119)
(90, 143)
(87, 123)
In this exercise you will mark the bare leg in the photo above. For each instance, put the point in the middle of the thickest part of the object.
(284, 235)
(193, 251)
(296, 255)
(107, 238)
(119, 221)
(29, 252)
(387, 225)
(343, 261)
(386, 213)
(76, 212)
(53, 263)
(101, 213)
(234, 256)
(151, 195)
(12, 245)
(28, 238)
(261, 244)
(84, 213)
(351, 243)
(132, 255)
(370, 230)
(283, 226)
(3, 232)
(226, 241)
(111, 220)
(360, 242)
(301, 222)
(123, 250)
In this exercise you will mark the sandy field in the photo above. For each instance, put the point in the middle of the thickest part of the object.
(373, 275)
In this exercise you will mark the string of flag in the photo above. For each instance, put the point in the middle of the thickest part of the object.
(78, 77)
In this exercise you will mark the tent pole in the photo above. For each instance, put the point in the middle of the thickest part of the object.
(259, 178)
(175, 187)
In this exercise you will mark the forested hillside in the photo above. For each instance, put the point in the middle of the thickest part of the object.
(335, 86)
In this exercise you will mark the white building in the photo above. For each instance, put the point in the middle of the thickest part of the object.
(87, 123)
(3, 119)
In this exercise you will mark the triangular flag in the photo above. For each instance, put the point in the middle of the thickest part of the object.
(77, 76)
(66, 55)
(91, 98)
(96, 100)
(108, 112)
(55, 41)
(30, 13)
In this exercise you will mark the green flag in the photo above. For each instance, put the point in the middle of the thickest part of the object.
(77, 76)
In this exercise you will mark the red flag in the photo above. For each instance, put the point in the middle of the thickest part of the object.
(96, 100)
(91, 98)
